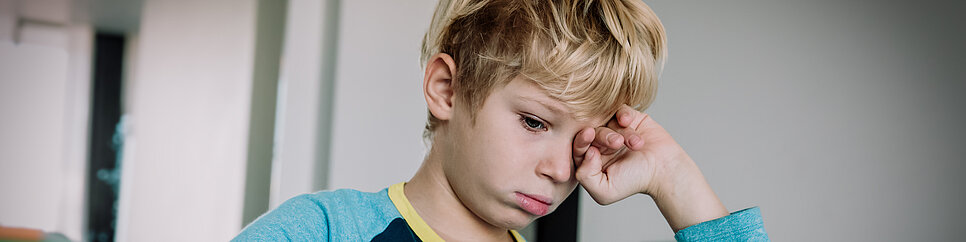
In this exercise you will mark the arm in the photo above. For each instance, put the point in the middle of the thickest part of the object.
(645, 159)
(688, 199)
(299, 219)
(743, 225)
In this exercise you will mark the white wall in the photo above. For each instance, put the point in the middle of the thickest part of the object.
(189, 104)
(379, 108)
(344, 90)
(304, 100)
(44, 103)
(33, 107)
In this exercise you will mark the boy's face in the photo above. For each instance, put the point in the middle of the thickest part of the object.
(515, 164)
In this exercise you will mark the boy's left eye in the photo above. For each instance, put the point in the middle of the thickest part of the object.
(533, 124)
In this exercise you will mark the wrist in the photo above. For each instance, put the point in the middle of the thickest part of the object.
(675, 173)
(686, 198)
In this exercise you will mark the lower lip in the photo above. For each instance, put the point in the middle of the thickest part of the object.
(532, 205)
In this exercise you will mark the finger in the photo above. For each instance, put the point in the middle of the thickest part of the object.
(607, 140)
(628, 117)
(624, 117)
(590, 173)
(632, 138)
(581, 143)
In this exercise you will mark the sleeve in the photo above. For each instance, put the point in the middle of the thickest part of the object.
(743, 225)
(298, 219)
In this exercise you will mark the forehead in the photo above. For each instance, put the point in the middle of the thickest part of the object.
(524, 90)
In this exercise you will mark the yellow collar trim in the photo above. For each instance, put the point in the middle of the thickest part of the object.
(517, 236)
(408, 213)
(419, 226)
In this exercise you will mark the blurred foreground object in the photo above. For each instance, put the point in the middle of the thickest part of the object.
(26, 234)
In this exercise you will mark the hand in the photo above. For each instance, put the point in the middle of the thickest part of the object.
(634, 154)
(631, 154)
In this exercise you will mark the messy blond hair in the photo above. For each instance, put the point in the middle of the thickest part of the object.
(593, 56)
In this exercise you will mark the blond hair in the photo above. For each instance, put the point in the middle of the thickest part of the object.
(593, 56)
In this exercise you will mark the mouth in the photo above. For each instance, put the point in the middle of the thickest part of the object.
(534, 204)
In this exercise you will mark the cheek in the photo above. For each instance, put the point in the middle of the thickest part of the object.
(501, 155)
(502, 150)
(513, 148)
(486, 151)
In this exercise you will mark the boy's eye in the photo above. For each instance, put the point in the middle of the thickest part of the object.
(533, 124)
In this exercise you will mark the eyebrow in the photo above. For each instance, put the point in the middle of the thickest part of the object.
(548, 106)
(554, 109)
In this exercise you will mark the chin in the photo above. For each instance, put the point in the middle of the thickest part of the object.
(519, 226)
(518, 220)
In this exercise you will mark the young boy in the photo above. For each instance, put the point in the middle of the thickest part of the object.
(527, 98)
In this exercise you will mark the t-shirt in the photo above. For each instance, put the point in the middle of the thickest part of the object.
(387, 215)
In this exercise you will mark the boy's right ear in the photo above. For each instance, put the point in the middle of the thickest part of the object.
(438, 85)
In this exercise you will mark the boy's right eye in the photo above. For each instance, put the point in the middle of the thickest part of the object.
(532, 124)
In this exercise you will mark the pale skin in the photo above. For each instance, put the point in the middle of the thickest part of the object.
(524, 142)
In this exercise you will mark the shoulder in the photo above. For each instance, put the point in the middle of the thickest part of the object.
(353, 205)
(344, 213)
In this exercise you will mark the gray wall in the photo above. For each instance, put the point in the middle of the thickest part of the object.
(842, 120)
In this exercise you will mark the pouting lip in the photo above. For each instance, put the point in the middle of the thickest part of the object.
(538, 198)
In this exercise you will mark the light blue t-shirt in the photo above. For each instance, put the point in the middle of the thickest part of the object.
(387, 215)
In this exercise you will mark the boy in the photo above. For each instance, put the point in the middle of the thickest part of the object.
(527, 98)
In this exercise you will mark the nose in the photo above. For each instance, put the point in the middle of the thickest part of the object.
(557, 164)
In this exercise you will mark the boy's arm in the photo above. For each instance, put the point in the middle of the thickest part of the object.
(687, 199)
(743, 225)
(695, 214)
(634, 154)
(298, 219)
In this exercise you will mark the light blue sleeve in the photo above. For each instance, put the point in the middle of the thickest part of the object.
(298, 219)
(743, 225)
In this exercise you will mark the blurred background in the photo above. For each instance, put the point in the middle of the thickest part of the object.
(178, 120)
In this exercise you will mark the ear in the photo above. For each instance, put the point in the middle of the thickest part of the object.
(438, 85)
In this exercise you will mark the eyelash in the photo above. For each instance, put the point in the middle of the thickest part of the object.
(525, 121)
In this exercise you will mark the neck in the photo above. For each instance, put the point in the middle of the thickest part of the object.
(431, 195)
